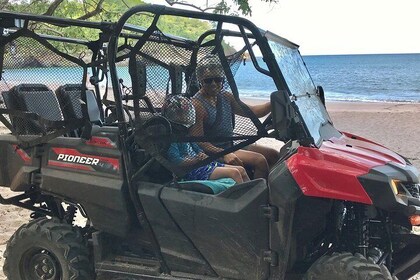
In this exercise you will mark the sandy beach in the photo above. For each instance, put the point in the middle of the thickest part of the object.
(394, 125)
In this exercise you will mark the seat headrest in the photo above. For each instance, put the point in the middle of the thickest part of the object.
(137, 70)
(39, 99)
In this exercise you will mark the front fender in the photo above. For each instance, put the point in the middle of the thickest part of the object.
(319, 174)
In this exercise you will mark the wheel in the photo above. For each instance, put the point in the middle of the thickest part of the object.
(49, 250)
(346, 266)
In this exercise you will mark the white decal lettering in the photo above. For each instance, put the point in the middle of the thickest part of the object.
(78, 159)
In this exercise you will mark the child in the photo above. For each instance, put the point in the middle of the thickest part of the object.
(180, 112)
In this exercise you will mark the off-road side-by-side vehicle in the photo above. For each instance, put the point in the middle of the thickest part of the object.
(87, 135)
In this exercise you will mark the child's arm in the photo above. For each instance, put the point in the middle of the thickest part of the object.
(200, 153)
(197, 158)
(174, 154)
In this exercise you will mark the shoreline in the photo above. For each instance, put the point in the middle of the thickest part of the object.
(330, 101)
(356, 106)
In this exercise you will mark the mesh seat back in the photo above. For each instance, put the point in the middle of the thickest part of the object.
(7, 98)
(35, 98)
(71, 101)
(7, 102)
(41, 101)
(137, 70)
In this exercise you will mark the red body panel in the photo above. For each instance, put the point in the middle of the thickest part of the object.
(332, 171)
(101, 142)
(26, 158)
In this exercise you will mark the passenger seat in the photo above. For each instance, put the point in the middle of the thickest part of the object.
(70, 99)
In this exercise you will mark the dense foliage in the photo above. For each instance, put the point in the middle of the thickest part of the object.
(100, 10)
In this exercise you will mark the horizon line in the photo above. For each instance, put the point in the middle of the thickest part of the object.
(380, 53)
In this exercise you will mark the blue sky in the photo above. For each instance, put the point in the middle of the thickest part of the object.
(342, 26)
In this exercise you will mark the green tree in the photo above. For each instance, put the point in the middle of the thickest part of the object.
(111, 10)
(99, 10)
(92, 8)
(75, 9)
(220, 6)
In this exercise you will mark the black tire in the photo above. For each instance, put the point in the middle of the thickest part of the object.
(346, 266)
(47, 249)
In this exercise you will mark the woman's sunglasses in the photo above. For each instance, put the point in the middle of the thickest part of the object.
(217, 80)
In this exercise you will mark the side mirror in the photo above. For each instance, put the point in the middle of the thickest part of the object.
(321, 94)
(282, 113)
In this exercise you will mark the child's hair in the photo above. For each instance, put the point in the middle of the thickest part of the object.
(179, 110)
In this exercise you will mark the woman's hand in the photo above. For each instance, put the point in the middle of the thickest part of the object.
(232, 159)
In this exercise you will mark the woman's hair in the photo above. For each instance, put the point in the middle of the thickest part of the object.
(209, 66)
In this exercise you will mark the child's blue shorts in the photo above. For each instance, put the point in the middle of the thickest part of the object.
(203, 172)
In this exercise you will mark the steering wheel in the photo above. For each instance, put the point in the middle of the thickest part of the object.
(154, 135)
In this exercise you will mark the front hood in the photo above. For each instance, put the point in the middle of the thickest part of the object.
(359, 152)
(334, 170)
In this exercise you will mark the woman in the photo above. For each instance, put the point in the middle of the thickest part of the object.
(215, 109)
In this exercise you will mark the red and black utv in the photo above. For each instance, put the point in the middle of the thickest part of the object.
(87, 136)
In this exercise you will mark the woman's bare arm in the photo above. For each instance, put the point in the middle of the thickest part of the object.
(259, 110)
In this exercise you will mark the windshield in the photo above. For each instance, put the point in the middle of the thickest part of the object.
(302, 89)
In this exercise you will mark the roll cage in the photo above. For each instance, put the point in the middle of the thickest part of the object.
(124, 53)
(288, 121)
(106, 56)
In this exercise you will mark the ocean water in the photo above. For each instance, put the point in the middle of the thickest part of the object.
(380, 77)
(377, 77)
(374, 77)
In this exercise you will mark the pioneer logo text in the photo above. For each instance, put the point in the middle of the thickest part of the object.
(78, 159)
